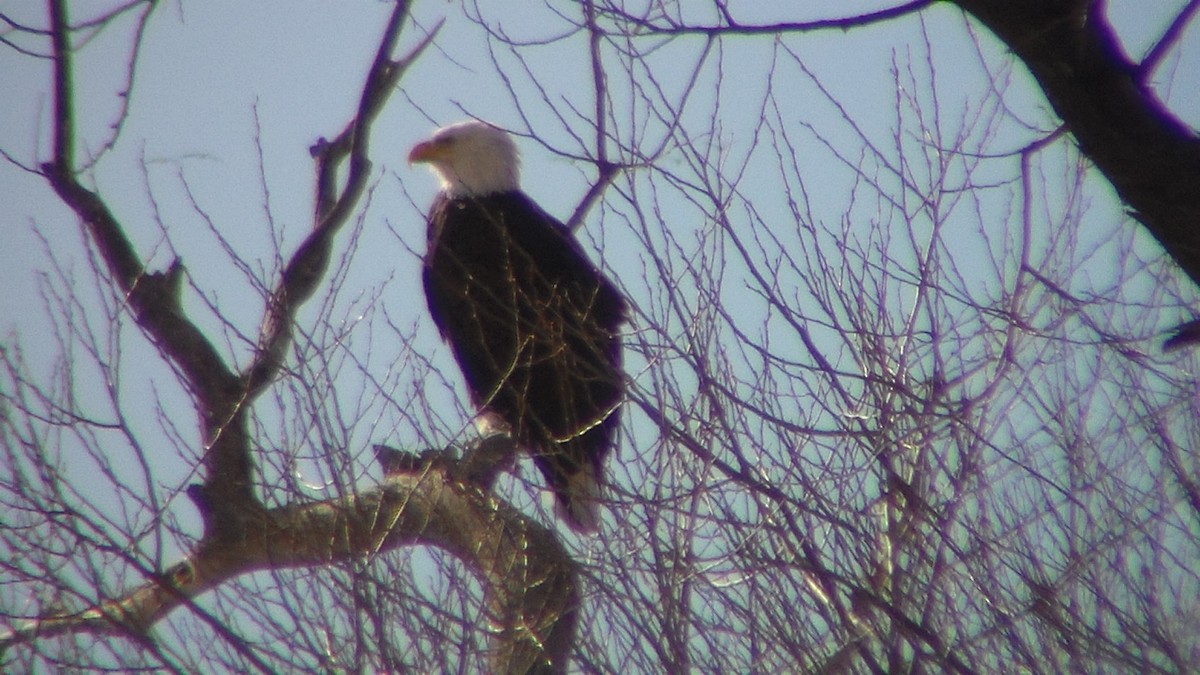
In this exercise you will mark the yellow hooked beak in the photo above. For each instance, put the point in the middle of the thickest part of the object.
(429, 151)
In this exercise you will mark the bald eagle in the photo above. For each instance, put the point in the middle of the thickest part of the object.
(531, 321)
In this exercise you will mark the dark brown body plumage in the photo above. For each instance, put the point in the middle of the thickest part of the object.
(533, 326)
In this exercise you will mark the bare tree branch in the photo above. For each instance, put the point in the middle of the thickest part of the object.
(731, 26)
(1168, 41)
(153, 298)
(531, 583)
(307, 266)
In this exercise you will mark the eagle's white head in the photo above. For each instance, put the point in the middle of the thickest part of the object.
(471, 159)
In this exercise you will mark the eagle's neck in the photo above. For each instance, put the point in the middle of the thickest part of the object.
(478, 179)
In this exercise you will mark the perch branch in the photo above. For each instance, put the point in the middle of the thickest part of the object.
(531, 583)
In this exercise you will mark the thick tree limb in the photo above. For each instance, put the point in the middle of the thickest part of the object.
(530, 582)
(1151, 158)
